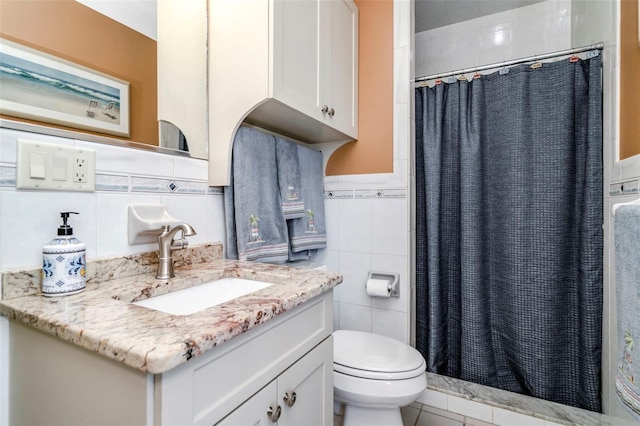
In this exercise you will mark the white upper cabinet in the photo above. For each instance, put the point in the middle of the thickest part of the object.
(342, 67)
(315, 60)
(289, 66)
(298, 56)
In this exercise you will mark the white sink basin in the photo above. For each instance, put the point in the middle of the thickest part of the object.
(197, 298)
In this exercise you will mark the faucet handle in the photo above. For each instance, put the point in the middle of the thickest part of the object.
(179, 244)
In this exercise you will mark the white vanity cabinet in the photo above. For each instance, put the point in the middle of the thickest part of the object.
(288, 66)
(286, 349)
(54, 382)
(299, 396)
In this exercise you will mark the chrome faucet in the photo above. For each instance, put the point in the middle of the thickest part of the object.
(167, 244)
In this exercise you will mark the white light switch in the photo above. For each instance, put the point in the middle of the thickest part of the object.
(48, 166)
(60, 166)
(36, 165)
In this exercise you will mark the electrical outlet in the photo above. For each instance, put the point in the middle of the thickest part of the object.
(79, 170)
(50, 166)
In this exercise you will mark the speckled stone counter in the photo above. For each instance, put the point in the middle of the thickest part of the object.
(102, 319)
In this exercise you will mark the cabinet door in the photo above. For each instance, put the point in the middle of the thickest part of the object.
(310, 379)
(297, 56)
(303, 393)
(342, 63)
(254, 411)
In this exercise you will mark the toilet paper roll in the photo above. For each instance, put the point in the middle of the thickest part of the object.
(378, 288)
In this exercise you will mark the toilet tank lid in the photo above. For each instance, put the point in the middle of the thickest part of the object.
(374, 352)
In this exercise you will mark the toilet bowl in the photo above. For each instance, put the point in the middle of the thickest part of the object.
(373, 376)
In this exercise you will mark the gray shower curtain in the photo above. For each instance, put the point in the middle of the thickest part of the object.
(509, 230)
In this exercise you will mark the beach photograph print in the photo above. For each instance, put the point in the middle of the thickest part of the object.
(40, 87)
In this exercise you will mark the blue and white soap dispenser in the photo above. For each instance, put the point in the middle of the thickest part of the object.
(63, 263)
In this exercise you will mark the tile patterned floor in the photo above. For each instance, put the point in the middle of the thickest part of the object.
(422, 415)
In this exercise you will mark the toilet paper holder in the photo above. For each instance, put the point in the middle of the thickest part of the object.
(392, 279)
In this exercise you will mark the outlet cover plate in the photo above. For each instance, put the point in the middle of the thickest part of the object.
(54, 167)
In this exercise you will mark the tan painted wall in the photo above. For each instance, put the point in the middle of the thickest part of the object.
(72, 31)
(629, 80)
(95, 41)
(373, 151)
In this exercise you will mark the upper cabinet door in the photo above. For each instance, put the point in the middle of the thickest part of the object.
(298, 62)
(342, 66)
(315, 60)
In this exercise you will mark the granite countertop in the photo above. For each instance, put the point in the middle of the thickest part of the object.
(102, 319)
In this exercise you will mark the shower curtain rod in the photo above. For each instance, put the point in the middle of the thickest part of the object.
(597, 46)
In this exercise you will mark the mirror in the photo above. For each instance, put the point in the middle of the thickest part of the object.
(85, 32)
(180, 31)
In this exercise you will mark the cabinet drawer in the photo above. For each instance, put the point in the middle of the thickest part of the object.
(205, 389)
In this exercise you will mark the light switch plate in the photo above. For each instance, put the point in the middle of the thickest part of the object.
(66, 168)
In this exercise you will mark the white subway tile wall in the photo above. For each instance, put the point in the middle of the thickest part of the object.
(29, 219)
(525, 31)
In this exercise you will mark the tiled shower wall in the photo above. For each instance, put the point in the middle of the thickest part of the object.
(538, 28)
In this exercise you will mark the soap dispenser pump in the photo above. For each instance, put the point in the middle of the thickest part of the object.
(63, 262)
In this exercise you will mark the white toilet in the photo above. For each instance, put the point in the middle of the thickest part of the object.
(373, 376)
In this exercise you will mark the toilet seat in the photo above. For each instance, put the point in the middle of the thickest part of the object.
(377, 375)
(376, 357)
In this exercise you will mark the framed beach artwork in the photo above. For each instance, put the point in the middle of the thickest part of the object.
(41, 87)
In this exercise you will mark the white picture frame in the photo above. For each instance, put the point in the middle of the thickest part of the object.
(41, 87)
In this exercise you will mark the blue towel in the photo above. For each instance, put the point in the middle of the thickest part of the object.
(289, 180)
(254, 215)
(309, 232)
(627, 258)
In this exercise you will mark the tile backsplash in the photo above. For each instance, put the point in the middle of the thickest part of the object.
(28, 219)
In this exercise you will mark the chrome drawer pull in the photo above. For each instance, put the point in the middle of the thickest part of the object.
(290, 398)
(274, 412)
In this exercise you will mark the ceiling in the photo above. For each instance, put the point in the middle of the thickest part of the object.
(432, 14)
